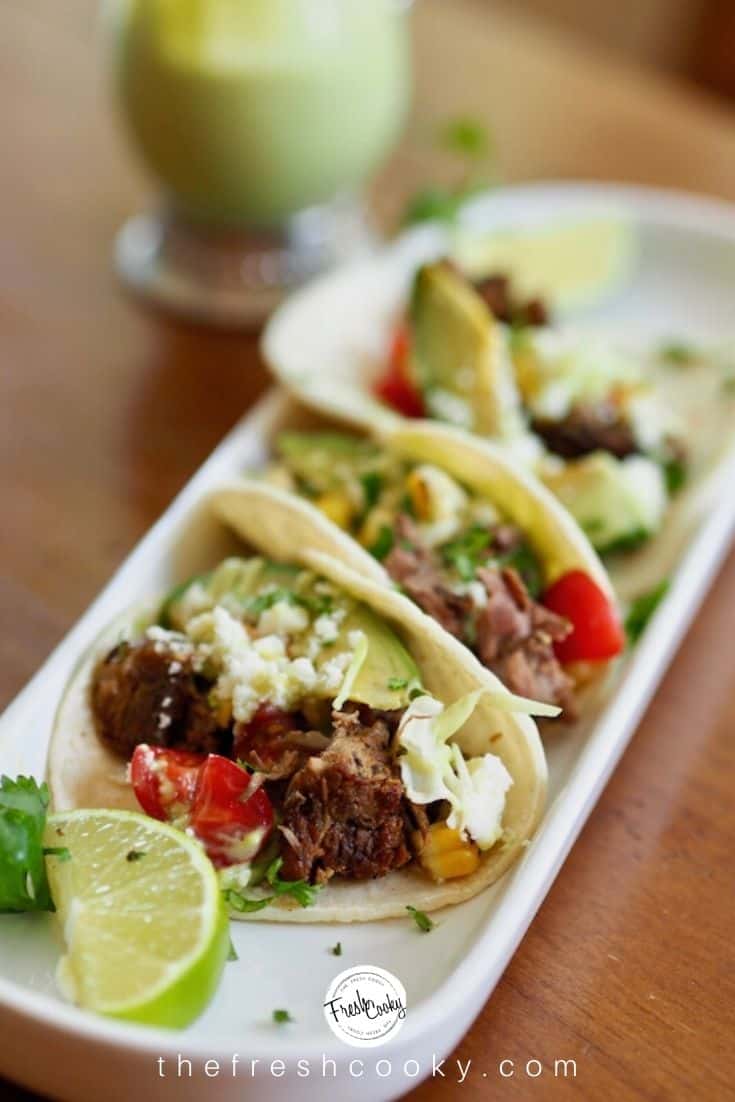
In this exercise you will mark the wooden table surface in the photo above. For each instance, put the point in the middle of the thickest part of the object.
(105, 411)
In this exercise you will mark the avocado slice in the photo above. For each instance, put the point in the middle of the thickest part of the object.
(459, 355)
(320, 458)
(618, 503)
(388, 675)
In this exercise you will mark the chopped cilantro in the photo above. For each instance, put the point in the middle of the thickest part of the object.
(470, 142)
(421, 919)
(281, 1016)
(466, 552)
(395, 684)
(259, 604)
(23, 883)
(677, 353)
(593, 526)
(407, 505)
(433, 204)
(372, 485)
(134, 855)
(232, 952)
(383, 544)
(642, 609)
(61, 853)
(675, 473)
(165, 615)
(630, 541)
(316, 604)
(525, 562)
(304, 893)
(242, 904)
(465, 136)
(336, 950)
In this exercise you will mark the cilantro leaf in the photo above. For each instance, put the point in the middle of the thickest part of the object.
(256, 605)
(465, 552)
(336, 950)
(281, 1016)
(465, 136)
(630, 541)
(242, 904)
(524, 560)
(421, 919)
(642, 609)
(395, 684)
(677, 353)
(62, 852)
(383, 544)
(304, 893)
(372, 485)
(23, 883)
(675, 473)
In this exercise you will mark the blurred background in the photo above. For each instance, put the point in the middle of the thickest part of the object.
(694, 39)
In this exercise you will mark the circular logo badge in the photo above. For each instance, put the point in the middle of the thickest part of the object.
(365, 1006)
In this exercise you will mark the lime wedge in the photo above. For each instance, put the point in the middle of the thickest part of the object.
(142, 914)
(571, 265)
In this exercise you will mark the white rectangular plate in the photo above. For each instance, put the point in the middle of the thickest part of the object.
(684, 284)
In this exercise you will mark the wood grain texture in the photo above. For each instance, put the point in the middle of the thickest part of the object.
(105, 411)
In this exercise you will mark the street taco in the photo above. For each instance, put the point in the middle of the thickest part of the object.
(600, 424)
(472, 539)
(338, 754)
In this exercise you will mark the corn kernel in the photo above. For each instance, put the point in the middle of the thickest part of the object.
(446, 854)
(418, 491)
(337, 506)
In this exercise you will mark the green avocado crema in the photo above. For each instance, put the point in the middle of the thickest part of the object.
(365, 489)
(328, 624)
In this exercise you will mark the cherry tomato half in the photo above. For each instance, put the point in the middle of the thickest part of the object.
(261, 741)
(231, 815)
(164, 780)
(596, 633)
(396, 387)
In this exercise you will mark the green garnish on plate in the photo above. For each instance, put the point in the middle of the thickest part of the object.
(421, 919)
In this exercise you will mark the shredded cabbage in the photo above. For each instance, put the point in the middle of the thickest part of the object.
(433, 770)
(353, 670)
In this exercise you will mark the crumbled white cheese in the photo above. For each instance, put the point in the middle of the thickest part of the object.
(478, 787)
(193, 600)
(169, 642)
(247, 670)
(283, 618)
(326, 626)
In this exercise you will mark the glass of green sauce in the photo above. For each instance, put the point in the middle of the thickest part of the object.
(260, 120)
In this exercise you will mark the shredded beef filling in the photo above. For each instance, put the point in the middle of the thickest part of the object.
(141, 693)
(513, 635)
(276, 743)
(515, 639)
(344, 811)
(416, 569)
(496, 291)
(588, 427)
